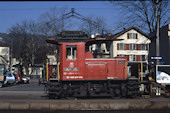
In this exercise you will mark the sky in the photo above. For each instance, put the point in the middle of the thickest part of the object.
(15, 12)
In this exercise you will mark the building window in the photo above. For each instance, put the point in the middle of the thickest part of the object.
(132, 35)
(143, 58)
(132, 46)
(121, 46)
(143, 46)
(121, 55)
(132, 57)
(71, 52)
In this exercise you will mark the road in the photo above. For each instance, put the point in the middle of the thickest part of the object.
(31, 91)
(32, 86)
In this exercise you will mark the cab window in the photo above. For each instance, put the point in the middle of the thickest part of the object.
(71, 52)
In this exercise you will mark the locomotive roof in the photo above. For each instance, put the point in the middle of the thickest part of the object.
(89, 41)
(79, 36)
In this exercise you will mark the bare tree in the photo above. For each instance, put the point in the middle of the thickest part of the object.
(51, 22)
(93, 25)
(142, 14)
(20, 52)
(26, 43)
(56, 20)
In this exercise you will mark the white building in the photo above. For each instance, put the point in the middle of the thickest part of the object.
(4, 56)
(134, 46)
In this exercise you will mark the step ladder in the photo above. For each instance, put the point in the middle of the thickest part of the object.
(158, 89)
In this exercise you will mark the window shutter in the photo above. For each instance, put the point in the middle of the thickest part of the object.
(136, 36)
(127, 35)
(138, 57)
(117, 46)
(137, 46)
(127, 46)
(128, 57)
(146, 46)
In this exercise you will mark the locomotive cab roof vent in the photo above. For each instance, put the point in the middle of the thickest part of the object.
(72, 36)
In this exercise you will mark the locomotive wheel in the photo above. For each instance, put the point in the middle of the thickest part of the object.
(115, 93)
(132, 89)
(112, 93)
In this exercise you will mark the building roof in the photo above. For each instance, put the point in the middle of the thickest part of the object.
(126, 30)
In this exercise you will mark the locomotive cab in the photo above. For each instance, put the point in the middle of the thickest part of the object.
(72, 61)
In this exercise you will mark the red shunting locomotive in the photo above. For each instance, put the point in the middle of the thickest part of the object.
(82, 75)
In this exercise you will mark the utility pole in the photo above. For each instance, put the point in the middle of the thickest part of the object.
(10, 69)
(157, 31)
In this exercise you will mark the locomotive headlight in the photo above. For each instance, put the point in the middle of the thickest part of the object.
(75, 69)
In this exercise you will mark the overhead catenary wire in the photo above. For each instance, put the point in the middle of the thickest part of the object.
(22, 9)
(73, 14)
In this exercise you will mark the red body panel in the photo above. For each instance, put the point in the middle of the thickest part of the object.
(85, 67)
(112, 68)
(96, 70)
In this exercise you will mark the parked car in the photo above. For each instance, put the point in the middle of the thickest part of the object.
(25, 79)
(19, 78)
(16, 78)
(11, 79)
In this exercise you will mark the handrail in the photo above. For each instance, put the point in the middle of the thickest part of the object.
(141, 71)
(47, 70)
(58, 71)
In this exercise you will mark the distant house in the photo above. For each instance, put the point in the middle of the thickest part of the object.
(4, 50)
(134, 46)
(164, 44)
(4, 53)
